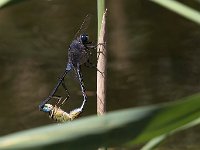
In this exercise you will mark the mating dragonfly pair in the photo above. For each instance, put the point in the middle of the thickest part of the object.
(78, 54)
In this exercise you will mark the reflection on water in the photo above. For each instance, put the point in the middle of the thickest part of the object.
(153, 57)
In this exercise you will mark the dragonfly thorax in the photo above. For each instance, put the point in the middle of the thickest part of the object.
(77, 52)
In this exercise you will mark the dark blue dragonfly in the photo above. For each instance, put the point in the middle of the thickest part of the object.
(78, 54)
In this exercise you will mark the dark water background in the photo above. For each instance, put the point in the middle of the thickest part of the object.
(153, 57)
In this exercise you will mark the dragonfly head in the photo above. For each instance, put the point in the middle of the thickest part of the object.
(84, 38)
(47, 108)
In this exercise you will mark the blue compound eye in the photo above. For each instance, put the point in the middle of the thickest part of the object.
(47, 108)
(84, 38)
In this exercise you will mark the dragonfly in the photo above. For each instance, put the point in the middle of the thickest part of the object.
(79, 52)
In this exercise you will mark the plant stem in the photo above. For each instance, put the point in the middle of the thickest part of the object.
(101, 64)
(101, 9)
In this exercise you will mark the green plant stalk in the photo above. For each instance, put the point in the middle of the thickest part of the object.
(180, 9)
(100, 11)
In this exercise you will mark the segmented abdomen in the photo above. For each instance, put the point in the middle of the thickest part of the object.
(60, 115)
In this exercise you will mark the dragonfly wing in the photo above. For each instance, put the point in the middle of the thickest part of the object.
(83, 26)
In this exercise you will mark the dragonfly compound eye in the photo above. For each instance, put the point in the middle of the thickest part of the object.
(47, 108)
(84, 38)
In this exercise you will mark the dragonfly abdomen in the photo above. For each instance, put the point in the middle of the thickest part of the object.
(60, 115)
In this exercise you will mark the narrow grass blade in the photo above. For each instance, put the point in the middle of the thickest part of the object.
(180, 9)
(4, 3)
(152, 144)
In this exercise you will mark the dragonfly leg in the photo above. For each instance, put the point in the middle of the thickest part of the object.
(68, 95)
(91, 65)
(100, 52)
(58, 98)
(90, 46)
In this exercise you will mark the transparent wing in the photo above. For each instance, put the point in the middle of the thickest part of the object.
(83, 26)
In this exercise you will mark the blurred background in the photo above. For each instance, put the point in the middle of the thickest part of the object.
(153, 57)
